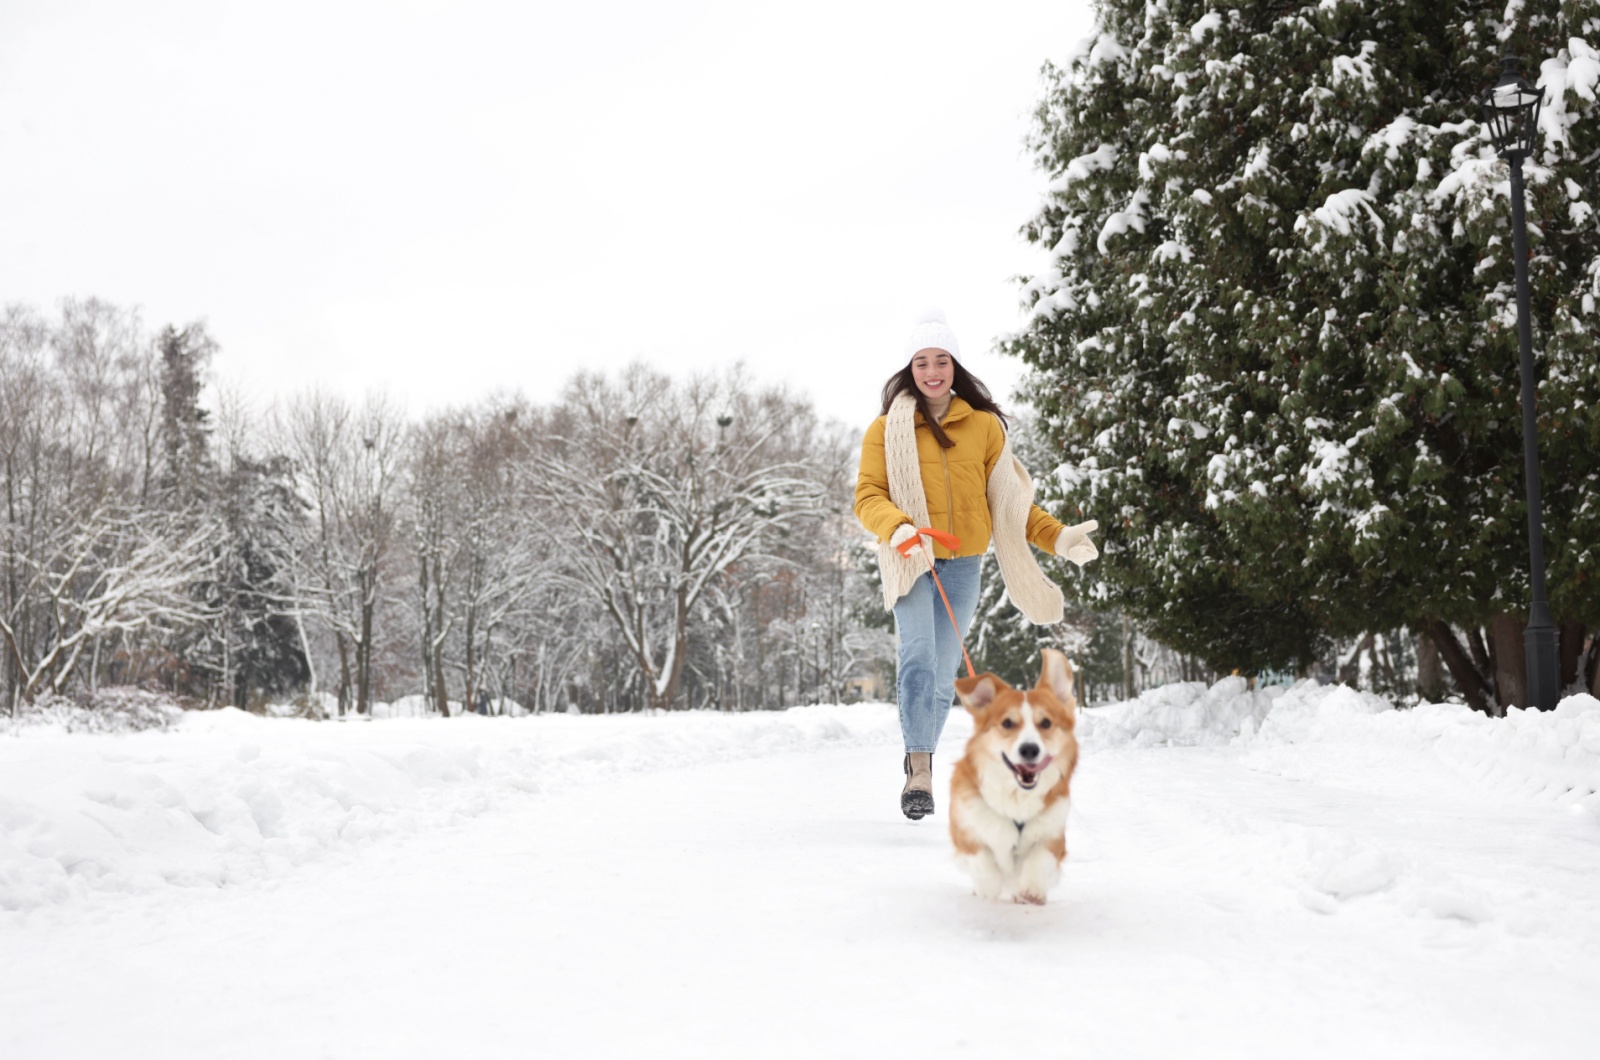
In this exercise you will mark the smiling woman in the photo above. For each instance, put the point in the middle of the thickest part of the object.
(938, 459)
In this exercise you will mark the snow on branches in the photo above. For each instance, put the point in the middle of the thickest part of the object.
(1273, 340)
(654, 490)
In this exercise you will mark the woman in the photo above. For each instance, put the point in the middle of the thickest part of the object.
(938, 457)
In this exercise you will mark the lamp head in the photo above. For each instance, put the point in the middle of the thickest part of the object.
(1511, 110)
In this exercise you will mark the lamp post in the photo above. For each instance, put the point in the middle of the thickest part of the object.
(1512, 110)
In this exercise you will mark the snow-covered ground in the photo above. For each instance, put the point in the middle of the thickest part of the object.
(1303, 872)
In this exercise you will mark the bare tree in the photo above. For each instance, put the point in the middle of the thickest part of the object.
(348, 464)
(312, 430)
(108, 574)
(657, 490)
(369, 517)
(25, 445)
(502, 563)
(640, 542)
(84, 564)
(435, 504)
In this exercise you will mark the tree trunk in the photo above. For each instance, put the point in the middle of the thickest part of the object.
(674, 674)
(1480, 653)
(469, 705)
(1127, 660)
(311, 662)
(344, 672)
(680, 649)
(1467, 677)
(1430, 670)
(441, 683)
(1350, 669)
(429, 688)
(1383, 662)
(1511, 671)
(364, 660)
(1571, 653)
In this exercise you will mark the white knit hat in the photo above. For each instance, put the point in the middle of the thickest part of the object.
(931, 333)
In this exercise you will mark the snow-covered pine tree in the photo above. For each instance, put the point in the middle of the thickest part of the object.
(256, 648)
(1275, 343)
(1002, 640)
(185, 429)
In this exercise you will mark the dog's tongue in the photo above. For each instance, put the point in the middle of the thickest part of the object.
(1030, 773)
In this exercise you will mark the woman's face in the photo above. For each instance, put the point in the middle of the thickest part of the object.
(933, 371)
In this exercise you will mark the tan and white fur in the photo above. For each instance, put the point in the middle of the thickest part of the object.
(1009, 792)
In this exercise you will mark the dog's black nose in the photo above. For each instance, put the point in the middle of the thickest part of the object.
(1028, 751)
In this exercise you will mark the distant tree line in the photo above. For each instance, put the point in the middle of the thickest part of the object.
(638, 542)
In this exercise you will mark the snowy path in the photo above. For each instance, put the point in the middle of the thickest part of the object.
(778, 906)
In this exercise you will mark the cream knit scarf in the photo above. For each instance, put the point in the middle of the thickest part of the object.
(1010, 494)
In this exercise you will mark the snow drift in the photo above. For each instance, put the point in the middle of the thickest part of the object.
(225, 797)
(1553, 756)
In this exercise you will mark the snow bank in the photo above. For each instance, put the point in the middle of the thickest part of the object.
(107, 710)
(1549, 756)
(1333, 732)
(224, 797)
(1185, 714)
(1356, 757)
(419, 706)
(1552, 756)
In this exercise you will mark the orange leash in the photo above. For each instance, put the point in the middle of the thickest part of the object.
(951, 542)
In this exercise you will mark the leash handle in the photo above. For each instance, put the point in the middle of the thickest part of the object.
(951, 542)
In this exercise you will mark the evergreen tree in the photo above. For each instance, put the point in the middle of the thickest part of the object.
(1276, 345)
(249, 643)
(1001, 639)
(261, 651)
(185, 427)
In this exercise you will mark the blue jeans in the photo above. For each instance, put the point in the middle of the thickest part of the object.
(930, 652)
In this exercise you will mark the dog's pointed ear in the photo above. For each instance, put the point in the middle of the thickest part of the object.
(978, 692)
(1056, 677)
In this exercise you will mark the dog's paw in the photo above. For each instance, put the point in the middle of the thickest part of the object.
(1030, 898)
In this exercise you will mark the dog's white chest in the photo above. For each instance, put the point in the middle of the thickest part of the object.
(1016, 826)
(1002, 795)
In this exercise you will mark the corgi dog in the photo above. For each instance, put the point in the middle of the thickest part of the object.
(1008, 794)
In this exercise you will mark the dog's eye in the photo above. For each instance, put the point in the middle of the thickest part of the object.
(1044, 723)
(1008, 724)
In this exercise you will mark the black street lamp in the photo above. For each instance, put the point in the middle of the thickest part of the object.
(1512, 109)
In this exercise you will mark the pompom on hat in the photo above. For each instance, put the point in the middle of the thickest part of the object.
(930, 332)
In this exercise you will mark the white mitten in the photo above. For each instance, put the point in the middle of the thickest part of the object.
(1073, 542)
(903, 533)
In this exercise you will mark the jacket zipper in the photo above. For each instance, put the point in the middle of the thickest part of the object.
(949, 494)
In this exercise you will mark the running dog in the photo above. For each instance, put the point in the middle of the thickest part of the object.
(1008, 794)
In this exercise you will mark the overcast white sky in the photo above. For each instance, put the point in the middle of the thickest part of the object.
(441, 199)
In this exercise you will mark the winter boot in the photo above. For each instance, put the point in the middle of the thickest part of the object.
(916, 798)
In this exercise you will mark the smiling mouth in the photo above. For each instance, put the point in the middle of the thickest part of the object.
(1028, 775)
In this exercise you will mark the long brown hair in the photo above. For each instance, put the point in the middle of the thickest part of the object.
(964, 385)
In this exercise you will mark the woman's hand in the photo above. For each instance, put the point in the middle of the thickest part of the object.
(1073, 542)
(903, 533)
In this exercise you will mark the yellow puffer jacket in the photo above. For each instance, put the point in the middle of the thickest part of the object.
(955, 481)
